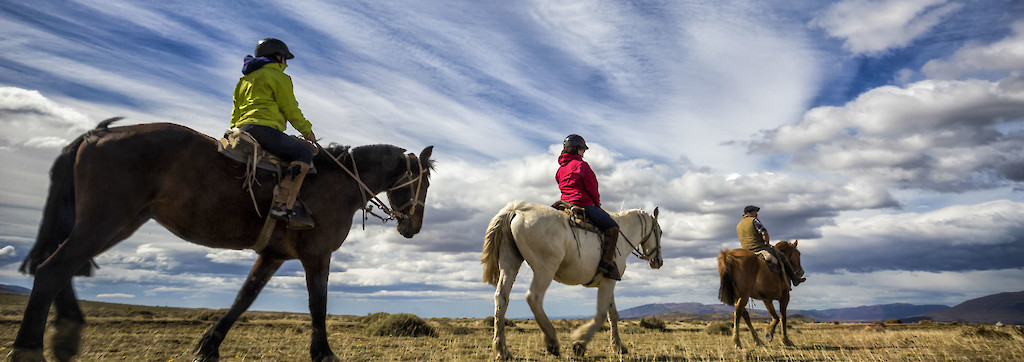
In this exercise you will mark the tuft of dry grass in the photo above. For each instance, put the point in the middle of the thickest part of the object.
(401, 325)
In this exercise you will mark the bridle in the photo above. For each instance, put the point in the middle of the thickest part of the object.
(371, 201)
(637, 248)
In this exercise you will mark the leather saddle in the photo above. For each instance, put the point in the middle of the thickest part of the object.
(240, 146)
(577, 217)
(775, 265)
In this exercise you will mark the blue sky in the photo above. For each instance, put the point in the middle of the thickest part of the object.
(887, 136)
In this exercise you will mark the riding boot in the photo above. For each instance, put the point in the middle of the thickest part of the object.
(793, 277)
(287, 192)
(607, 265)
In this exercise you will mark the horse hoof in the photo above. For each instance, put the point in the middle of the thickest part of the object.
(330, 358)
(66, 339)
(26, 355)
(788, 343)
(503, 356)
(579, 349)
(623, 350)
(206, 359)
(554, 350)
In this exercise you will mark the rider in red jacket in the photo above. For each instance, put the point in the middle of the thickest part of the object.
(578, 184)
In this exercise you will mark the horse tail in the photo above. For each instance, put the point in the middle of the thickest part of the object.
(499, 232)
(59, 210)
(726, 287)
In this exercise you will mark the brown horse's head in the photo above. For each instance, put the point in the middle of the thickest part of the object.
(409, 194)
(792, 254)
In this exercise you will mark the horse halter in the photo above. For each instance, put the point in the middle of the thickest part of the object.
(637, 248)
(413, 182)
(373, 200)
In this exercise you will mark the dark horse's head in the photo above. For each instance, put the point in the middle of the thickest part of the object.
(409, 193)
(404, 177)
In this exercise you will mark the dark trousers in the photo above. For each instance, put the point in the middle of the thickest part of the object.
(600, 218)
(279, 144)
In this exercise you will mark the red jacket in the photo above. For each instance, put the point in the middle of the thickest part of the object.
(577, 181)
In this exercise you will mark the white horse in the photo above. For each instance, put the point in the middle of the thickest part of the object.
(541, 236)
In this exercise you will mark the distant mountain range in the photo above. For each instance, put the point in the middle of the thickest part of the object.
(1007, 308)
(13, 289)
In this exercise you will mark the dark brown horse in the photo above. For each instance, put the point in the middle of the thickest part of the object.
(110, 181)
(745, 275)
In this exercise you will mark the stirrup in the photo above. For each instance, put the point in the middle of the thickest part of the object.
(609, 271)
(299, 219)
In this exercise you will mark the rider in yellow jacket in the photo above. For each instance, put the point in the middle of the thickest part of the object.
(264, 104)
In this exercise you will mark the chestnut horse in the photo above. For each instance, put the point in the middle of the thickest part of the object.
(110, 181)
(541, 236)
(745, 275)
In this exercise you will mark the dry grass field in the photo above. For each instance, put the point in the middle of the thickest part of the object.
(137, 333)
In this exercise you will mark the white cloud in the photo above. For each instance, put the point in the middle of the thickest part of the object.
(232, 256)
(1006, 54)
(7, 250)
(932, 134)
(29, 119)
(874, 26)
(115, 295)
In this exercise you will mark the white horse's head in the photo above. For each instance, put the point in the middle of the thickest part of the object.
(651, 245)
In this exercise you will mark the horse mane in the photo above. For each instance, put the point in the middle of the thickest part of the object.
(367, 154)
(630, 212)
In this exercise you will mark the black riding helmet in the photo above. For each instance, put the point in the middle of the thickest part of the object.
(574, 140)
(271, 47)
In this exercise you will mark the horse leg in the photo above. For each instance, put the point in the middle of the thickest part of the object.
(783, 304)
(53, 277)
(775, 320)
(509, 264)
(613, 319)
(750, 326)
(737, 313)
(69, 323)
(208, 348)
(542, 279)
(67, 336)
(317, 270)
(582, 335)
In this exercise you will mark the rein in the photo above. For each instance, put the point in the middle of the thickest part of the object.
(636, 248)
(373, 200)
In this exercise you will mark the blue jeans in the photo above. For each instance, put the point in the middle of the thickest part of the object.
(600, 218)
(279, 144)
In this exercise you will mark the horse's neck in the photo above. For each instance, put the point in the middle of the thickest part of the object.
(377, 165)
(631, 229)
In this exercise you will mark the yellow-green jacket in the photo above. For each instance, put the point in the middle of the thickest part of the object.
(264, 96)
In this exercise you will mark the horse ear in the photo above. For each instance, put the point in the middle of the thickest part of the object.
(425, 154)
(655, 212)
(794, 242)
